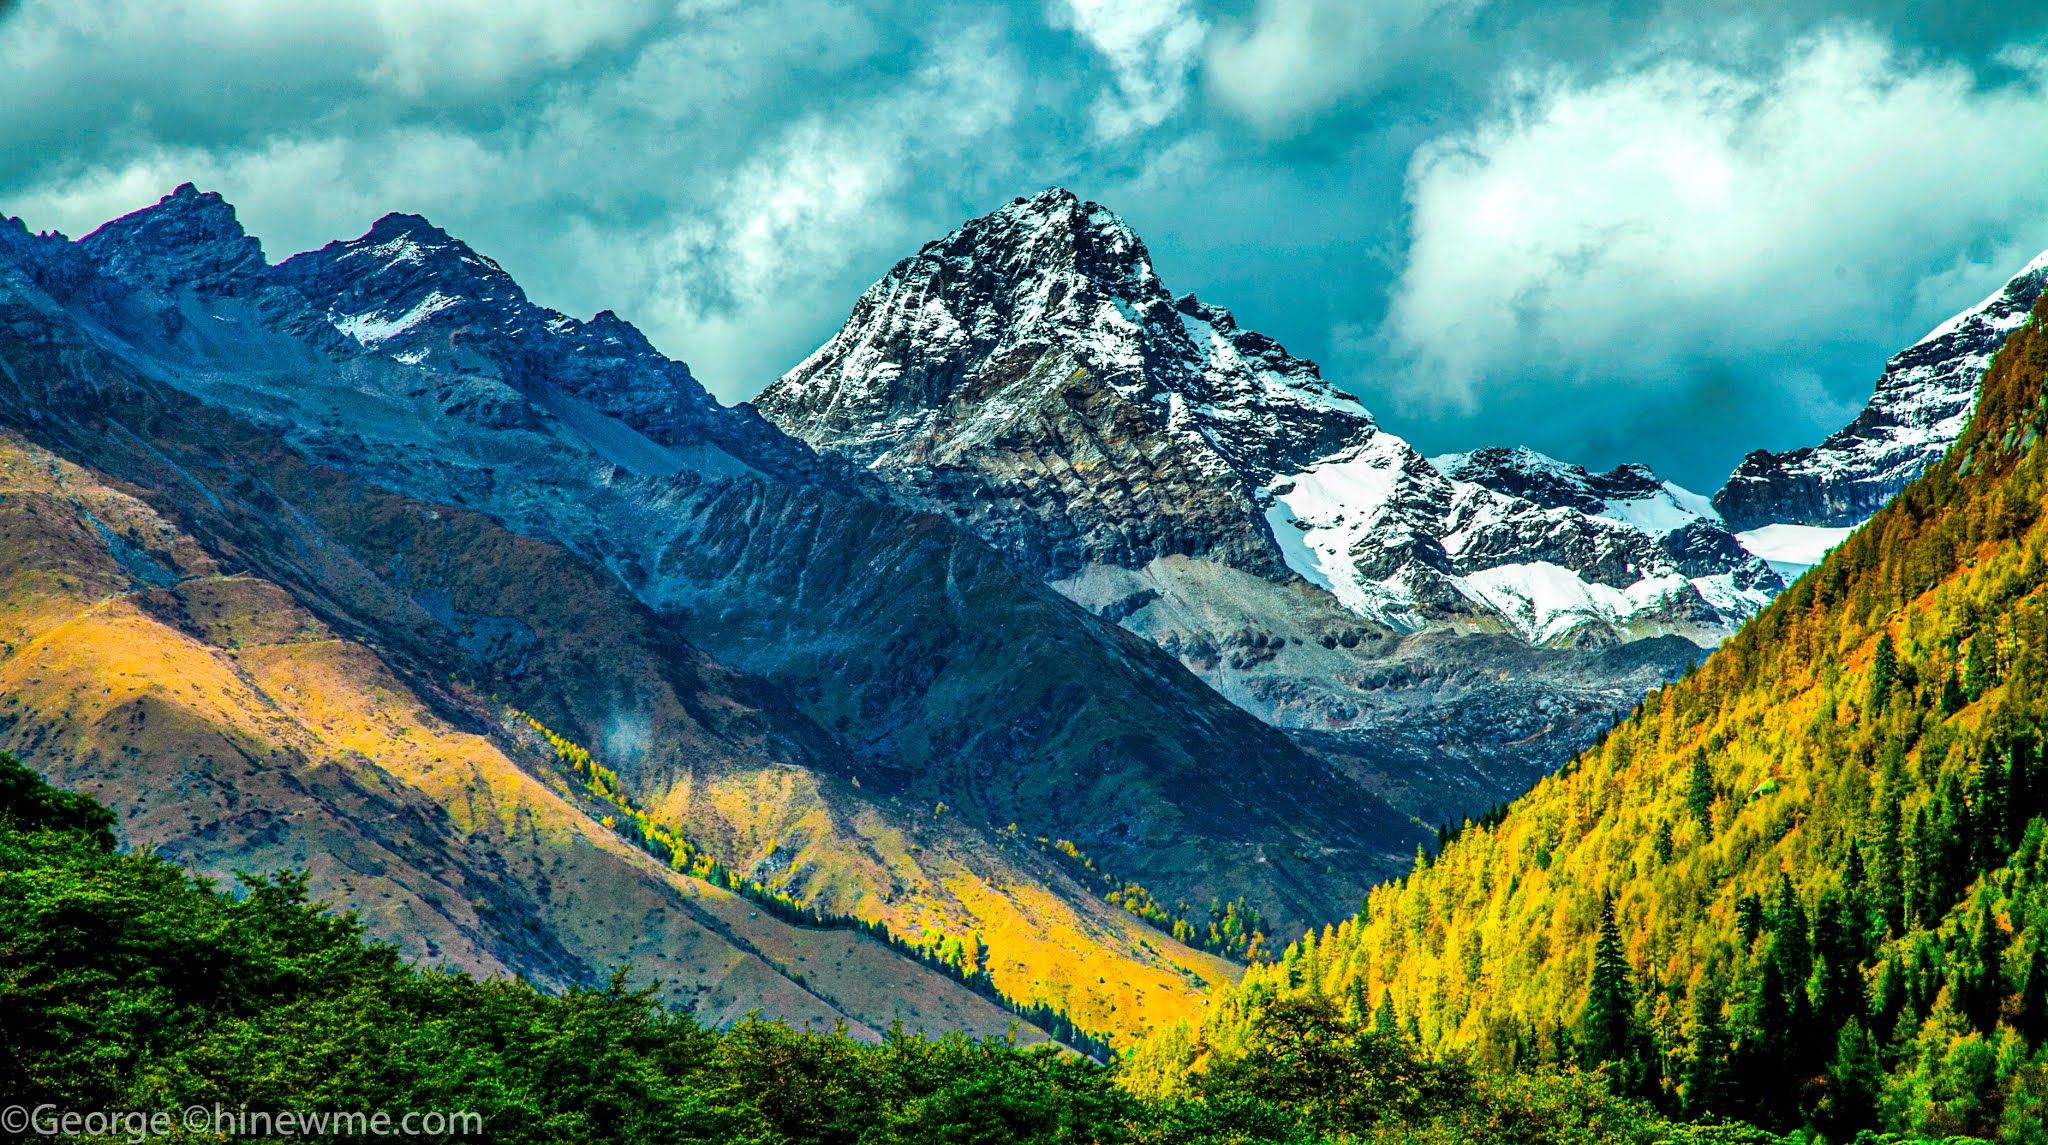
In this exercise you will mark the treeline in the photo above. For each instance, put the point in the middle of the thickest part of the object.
(1807, 885)
(964, 960)
(129, 986)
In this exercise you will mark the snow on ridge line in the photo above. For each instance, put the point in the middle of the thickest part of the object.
(1956, 322)
(1672, 508)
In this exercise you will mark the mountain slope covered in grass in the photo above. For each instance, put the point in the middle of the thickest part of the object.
(1807, 885)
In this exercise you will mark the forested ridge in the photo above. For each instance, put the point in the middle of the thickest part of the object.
(1806, 885)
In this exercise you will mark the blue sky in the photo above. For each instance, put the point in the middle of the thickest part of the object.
(1621, 231)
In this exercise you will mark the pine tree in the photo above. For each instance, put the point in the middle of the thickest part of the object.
(1884, 669)
(1607, 1025)
(1854, 1079)
(1384, 1022)
(1703, 1087)
(1952, 698)
(1699, 794)
(1980, 665)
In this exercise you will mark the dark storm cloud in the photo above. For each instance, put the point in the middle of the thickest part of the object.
(1616, 231)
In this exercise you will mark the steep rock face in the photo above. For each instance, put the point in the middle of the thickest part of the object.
(1920, 406)
(896, 631)
(1030, 372)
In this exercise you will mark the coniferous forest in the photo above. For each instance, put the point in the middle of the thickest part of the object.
(129, 986)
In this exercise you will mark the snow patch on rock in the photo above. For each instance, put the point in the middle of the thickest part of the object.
(375, 328)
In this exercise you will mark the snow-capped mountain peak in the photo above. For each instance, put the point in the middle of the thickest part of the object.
(1052, 273)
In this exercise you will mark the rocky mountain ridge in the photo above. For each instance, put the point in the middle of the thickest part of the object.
(1441, 629)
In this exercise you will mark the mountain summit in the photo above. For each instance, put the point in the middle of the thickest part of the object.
(1044, 325)
(1030, 376)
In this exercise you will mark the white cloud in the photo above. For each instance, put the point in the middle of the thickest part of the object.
(1606, 231)
(1296, 58)
(819, 200)
(423, 44)
(294, 194)
(407, 44)
(1150, 45)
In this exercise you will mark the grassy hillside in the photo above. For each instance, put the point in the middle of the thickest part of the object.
(1806, 885)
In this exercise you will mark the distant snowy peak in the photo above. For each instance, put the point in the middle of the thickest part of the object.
(1549, 549)
(1631, 494)
(1919, 408)
(1054, 274)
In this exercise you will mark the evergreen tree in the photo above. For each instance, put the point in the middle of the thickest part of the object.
(1838, 951)
(1855, 1078)
(1703, 1086)
(1749, 917)
(1884, 669)
(1699, 794)
(1980, 665)
(1608, 1034)
(1952, 698)
(1384, 1023)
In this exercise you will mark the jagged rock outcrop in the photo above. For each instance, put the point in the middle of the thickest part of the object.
(1920, 406)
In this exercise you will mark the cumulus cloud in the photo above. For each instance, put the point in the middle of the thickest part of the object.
(1615, 234)
(1295, 58)
(1150, 45)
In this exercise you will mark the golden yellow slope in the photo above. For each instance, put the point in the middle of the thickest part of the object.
(231, 730)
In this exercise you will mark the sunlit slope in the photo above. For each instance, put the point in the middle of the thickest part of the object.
(472, 621)
(1822, 847)
(789, 812)
(231, 730)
